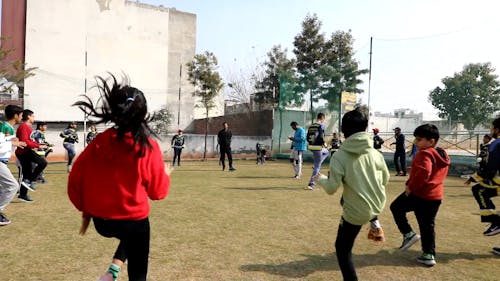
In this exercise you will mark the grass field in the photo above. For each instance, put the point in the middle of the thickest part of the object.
(256, 223)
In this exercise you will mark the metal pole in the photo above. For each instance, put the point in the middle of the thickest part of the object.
(179, 108)
(370, 73)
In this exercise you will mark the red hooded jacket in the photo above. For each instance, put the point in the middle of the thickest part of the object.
(108, 180)
(428, 172)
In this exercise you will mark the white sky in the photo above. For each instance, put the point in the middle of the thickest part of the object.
(416, 43)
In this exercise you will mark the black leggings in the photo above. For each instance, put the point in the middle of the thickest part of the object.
(26, 159)
(134, 243)
(345, 241)
(177, 155)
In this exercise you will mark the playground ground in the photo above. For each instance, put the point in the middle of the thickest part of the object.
(256, 223)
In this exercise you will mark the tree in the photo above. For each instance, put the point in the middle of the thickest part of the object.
(207, 84)
(161, 121)
(470, 96)
(276, 87)
(339, 71)
(14, 71)
(309, 48)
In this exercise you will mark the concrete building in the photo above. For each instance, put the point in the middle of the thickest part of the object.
(70, 42)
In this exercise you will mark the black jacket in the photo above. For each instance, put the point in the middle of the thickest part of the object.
(224, 138)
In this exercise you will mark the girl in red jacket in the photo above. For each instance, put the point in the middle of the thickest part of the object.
(116, 174)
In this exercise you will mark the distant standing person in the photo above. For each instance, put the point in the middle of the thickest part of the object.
(177, 144)
(70, 138)
(299, 146)
(316, 144)
(400, 154)
(224, 140)
(334, 144)
(377, 140)
(91, 134)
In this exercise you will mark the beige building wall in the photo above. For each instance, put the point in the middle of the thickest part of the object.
(72, 41)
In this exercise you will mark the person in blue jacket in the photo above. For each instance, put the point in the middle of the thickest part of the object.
(299, 146)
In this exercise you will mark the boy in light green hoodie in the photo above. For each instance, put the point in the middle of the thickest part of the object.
(362, 171)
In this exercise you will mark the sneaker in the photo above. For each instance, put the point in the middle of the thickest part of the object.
(496, 250)
(26, 199)
(106, 277)
(492, 230)
(409, 241)
(309, 187)
(29, 185)
(232, 169)
(376, 235)
(296, 177)
(427, 259)
(3, 219)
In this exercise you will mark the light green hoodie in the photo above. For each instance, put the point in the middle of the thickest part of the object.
(362, 171)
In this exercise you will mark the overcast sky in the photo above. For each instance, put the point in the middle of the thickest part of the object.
(416, 43)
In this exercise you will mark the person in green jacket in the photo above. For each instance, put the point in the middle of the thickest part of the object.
(363, 173)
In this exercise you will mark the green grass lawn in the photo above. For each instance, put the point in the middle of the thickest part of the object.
(256, 223)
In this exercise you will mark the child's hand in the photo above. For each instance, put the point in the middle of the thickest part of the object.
(168, 169)
(467, 182)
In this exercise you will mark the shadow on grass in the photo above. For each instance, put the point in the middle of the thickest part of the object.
(263, 177)
(295, 188)
(313, 263)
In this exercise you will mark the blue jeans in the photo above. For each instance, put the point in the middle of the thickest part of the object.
(70, 147)
(319, 156)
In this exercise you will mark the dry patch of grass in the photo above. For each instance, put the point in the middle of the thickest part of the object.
(253, 224)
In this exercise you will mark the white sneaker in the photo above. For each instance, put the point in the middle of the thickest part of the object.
(309, 187)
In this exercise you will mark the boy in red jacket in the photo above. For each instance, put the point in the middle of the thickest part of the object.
(423, 194)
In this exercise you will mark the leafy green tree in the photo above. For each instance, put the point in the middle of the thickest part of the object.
(276, 86)
(339, 71)
(207, 84)
(161, 121)
(309, 46)
(471, 96)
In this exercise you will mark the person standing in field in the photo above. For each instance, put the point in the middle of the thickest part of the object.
(224, 140)
(114, 178)
(299, 145)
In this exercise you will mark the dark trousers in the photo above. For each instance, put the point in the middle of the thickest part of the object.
(425, 212)
(400, 162)
(226, 151)
(134, 239)
(177, 155)
(483, 197)
(343, 245)
(27, 159)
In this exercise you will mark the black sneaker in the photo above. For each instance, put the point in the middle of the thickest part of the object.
(3, 219)
(492, 230)
(29, 185)
(232, 169)
(427, 259)
(496, 250)
(409, 241)
(26, 199)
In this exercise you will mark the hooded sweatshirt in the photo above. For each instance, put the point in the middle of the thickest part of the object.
(108, 180)
(363, 172)
(427, 174)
